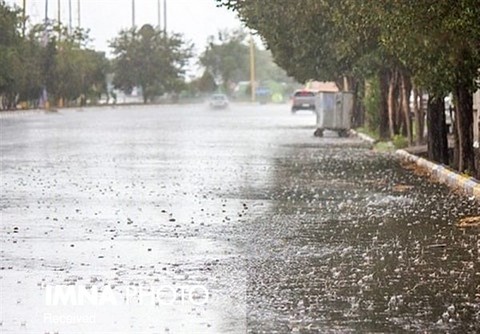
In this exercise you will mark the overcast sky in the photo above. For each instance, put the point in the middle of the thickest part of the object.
(196, 19)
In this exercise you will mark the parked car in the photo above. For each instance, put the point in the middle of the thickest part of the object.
(303, 100)
(218, 101)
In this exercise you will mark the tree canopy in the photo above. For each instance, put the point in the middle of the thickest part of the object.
(150, 59)
(47, 58)
(431, 44)
(227, 59)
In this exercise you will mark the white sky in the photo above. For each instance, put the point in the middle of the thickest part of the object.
(196, 19)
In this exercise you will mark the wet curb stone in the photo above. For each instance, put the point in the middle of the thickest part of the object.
(363, 136)
(443, 174)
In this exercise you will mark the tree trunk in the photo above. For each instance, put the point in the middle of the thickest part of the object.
(383, 108)
(455, 130)
(144, 94)
(419, 120)
(357, 114)
(405, 94)
(392, 126)
(437, 130)
(464, 127)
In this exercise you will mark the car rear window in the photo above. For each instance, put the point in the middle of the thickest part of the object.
(304, 93)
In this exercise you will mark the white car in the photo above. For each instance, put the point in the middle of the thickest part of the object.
(218, 101)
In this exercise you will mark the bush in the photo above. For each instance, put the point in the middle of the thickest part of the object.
(400, 141)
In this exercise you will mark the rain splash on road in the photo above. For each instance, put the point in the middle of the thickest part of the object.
(182, 219)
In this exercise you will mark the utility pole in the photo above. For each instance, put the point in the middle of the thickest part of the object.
(133, 13)
(159, 14)
(59, 20)
(165, 16)
(70, 16)
(45, 93)
(78, 14)
(46, 12)
(252, 69)
(24, 17)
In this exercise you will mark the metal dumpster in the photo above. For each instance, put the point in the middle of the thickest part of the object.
(334, 112)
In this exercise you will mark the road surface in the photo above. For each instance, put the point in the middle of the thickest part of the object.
(180, 219)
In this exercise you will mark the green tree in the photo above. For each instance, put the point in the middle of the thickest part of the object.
(150, 59)
(28, 71)
(226, 57)
(48, 57)
(309, 39)
(206, 83)
(433, 44)
(438, 42)
(9, 39)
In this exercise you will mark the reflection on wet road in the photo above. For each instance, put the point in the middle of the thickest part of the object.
(183, 219)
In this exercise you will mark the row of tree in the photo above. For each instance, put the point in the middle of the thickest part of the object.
(51, 63)
(429, 46)
(226, 60)
(48, 62)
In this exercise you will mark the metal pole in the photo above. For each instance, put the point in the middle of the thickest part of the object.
(165, 16)
(70, 15)
(252, 69)
(24, 17)
(133, 13)
(46, 12)
(45, 95)
(59, 19)
(78, 14)
(159, 14)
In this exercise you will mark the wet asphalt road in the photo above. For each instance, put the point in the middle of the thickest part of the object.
(187, 220)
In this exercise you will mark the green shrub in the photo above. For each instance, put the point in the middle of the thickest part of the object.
(400, 141)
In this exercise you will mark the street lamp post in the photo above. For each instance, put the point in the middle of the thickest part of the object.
(159, 15)
(78, 14)
(46, 12)
(24, 17)
(45, 37)
(70, 16)
(165, 16)
(133, 13)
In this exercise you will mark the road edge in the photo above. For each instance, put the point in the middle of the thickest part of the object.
(442, 174)
(363, 136)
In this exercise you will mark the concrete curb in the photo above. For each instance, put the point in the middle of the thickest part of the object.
(363, 136)
(469, 185)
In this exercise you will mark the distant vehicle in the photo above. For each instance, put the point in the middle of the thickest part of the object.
(263, 94)
(218, 101)
(303, 100)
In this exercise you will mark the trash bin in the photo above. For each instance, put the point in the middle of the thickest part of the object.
(334, 112)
